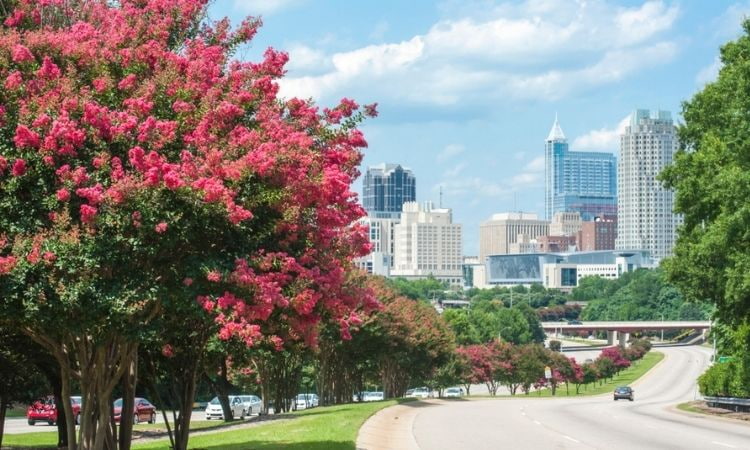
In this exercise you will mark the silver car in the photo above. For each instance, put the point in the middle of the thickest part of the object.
(214, 410)
(304, 401)
(251, 403)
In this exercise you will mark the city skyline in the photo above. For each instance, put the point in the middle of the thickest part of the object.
(473, 118)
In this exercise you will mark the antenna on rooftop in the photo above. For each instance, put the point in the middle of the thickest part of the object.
(441, 196)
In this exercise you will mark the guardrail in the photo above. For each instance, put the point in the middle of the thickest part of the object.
(724, 402)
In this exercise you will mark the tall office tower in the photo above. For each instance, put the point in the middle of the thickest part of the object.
(386, 187)
(428, 243)
(583, 182)
(644, 208)
(496, 234)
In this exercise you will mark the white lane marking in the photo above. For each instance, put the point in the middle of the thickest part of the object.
(571, 439)
(537, 422)
(523, 413)
(723, 444)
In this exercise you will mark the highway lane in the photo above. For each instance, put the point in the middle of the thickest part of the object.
(589, 422)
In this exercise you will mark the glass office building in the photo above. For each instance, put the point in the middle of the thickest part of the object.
(583, 182)
(386, 187)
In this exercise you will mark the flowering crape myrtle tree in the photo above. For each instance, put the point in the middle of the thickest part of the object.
(141, 171)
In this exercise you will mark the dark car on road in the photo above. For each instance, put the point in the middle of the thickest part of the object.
(575, 322)
(624, 392)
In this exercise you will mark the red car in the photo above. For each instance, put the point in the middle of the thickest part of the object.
(144, 411)
(44, 410)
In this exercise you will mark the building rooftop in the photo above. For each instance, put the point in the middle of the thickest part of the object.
(556, 133)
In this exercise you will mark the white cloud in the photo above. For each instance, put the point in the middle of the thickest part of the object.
(536, 49)
(302, 57)
(473, 186)
(709, 73)
(450, 151)
(535, 165)
(607, 139)
(258, 7)
(455, 170)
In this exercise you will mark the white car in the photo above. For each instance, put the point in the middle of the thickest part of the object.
(454, 392)
(422, 392)
(303, 401)
(373, 396)
(251, 403)
(214, 411)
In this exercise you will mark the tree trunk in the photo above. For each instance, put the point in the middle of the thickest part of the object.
(186, 389)
(3, 409)
(129, 380)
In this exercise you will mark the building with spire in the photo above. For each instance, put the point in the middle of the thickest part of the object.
(582, 182)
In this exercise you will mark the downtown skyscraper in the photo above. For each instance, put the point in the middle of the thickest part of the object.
(645, 217)
(386, 187)
(583, 182)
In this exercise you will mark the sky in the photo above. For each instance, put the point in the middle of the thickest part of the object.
(468, 89)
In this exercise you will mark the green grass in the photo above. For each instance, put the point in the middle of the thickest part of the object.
(690, 407)
(37, 439)
(333, 427)
(624, 378)
(589, 342)
(49, 438)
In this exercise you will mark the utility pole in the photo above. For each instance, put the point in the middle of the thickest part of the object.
(662, 328)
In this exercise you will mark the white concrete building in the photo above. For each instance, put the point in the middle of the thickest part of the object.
(497, 234)
(566, 276)
(381, 230)
(565, 224)
(428, 243)
(644, 207)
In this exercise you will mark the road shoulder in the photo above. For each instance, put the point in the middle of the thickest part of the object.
(392, 427)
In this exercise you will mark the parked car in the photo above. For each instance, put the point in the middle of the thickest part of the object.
(624, 392)
(373, 396)
(409, 393)
(44, 410)
(303, 401)
(422, 392)
(454, 392)
(143, 411)
(251, 403)
(214, 410)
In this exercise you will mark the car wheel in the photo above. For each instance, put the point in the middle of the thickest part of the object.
(78, 419)
(32, 422)
(242, 415)
(152, 419)
(50, 423)
(632, 399)
(135, 419)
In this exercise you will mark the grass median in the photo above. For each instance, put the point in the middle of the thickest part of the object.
(624, 378)
(333, 427)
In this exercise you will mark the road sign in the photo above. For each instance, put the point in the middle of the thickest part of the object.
(547, 372)
(723, 359)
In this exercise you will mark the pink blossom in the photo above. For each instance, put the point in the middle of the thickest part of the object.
(7, 263)
(21, 54)
(187, 281)
(49, 257)
(168, 351)
(19, 167)
(127, 83)
(161, 227)
(3, 164)
(63, 195)
(13, 81)
(213, 276)
(88, 214)
(49, 70)
(26, 138)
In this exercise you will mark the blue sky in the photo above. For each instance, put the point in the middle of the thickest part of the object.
(468, 90)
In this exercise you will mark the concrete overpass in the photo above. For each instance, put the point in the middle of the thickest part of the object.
(621, 330)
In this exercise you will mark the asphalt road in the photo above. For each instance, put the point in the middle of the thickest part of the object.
(588, 422)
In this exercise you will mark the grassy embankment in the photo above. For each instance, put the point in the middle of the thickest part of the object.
(333, 427)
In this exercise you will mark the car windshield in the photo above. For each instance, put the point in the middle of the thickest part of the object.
(215, 401)
(118, 403)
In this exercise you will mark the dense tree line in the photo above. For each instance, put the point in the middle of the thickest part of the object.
(711, 180)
